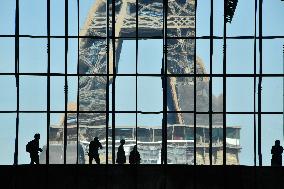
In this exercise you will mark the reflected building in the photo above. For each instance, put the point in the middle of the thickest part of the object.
(179, 60)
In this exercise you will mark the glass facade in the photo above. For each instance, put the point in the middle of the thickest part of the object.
(188, 82)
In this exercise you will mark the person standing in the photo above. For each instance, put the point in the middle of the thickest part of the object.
(276, 152)
(134, 157)
(121, 158)
(33, 148)
(94, 150)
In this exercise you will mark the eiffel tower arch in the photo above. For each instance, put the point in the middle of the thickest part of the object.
(180, 53)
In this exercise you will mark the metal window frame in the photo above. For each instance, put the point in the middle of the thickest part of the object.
(257, 113)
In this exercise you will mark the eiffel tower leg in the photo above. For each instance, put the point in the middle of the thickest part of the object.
(92, 89)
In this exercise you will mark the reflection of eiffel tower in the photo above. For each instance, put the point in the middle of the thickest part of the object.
(180, 60)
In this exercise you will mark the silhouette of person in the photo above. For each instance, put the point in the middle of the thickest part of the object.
(276, 152)
(134, 157)
(121, 159)
(33, 148)
(94, 150)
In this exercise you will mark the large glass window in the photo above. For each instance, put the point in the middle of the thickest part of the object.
(187, 81)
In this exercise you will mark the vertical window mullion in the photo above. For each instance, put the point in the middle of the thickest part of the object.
(78, 79)
(254, 86)
(224, 85)
(113, 82)
(260, 83)
(107, 85)
(48, 82)
(136, 67)
(283, 90)
(17, 52)
(194, 82)
(210, 83)
(66, 81)
(165, 81)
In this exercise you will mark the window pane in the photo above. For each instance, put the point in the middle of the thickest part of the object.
(203, 18)
(9, 95)
(127, 58)
(57, 55)
(32, 93)
(92, 93)
(57, 96)
(72, 18)
(150, 18)
(71, 151)
(218, 55)
(273, 12)
(181, 18)
(29, 23)
(202, 139)
(125, 129)
(7, 58)
(180, 94)
(57, 93)
(33, 55)
(180, 56)
(125, 90)
(240, 139)
(272, 55)
(272, 129)
(242, 23)
(72, 90)
(203, 56)
(180, 141)
(92, 125)
(72, 57)
(240, 56)
(272, 94)
(218, 17)
(149, 138)
(150, 56)
(29, 125)
(202, 94)
(239, 94)
(217, 94)
(92, 56)
(7, 138)
(7, 17)
(93, 18)
(217, 139)
(150, 94)
(56, 151)
(57, 17)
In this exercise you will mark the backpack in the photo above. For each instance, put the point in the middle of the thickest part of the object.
(29, 147)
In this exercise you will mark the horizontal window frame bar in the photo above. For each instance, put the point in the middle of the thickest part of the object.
(143, 75)
(150, 37)
(134, 112)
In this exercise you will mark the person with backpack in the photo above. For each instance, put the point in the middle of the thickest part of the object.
(94, 150)
(121, 158)
(33, 148)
